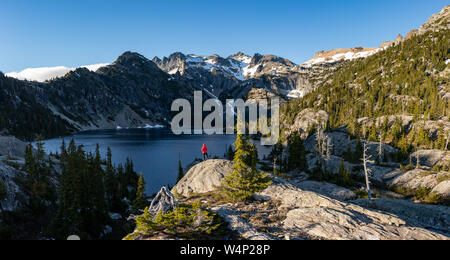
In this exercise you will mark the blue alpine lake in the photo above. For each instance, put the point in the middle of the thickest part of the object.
(155, 152)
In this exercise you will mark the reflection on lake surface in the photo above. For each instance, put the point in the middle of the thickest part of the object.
(155, 152)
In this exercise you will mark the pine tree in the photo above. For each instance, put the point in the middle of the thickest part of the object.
(230, 153)
(111, 184)
(358, 151)
(82, 207)
(3, 194)
(98, 186)
(180, 171)
(317, 172)
(296, 153)
(245, 179)
(440, 142)
(30, 164)
(132, 179)
(140, 202)
(344, 178)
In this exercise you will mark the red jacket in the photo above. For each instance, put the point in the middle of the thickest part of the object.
(204, 149)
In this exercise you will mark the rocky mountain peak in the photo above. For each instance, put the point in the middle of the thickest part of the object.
(79, 72)
(256, 58)
(438, 21)
(134, 60)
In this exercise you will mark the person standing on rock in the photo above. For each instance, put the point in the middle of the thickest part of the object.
(205, 152)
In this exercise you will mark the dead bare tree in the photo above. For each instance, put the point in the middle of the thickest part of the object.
(320, 139)
(380, 148)
(328, 148)
(446, 142)
(321, 146)
(163, 202)
(418, 161)
(367, 171)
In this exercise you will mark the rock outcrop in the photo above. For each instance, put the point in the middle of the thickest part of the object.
(8, 175)
(203, 177)
(305, 121)
(286, 210)
(431, 158)
(415, 179)
(319, 216)
(438, 21)
(327, 189)
(11, 146)
(342, 143)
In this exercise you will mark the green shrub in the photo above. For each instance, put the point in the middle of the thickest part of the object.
(362, 193)
(407, 168)
(443, 178)
(184, 221)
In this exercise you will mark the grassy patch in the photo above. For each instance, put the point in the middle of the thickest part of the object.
(362, 194)
(427, 173)
(443, 178)
(407, 168)
(421, 194)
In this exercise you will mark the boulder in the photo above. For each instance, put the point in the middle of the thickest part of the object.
(418, 178)
(11, 146)
(203, 177)
(430, 158)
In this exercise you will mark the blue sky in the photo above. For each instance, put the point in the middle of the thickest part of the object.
(38, 33)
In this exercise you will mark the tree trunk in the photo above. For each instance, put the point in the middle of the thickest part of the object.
(366, 172)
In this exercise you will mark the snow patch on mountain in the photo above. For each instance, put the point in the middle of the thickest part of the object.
(250, 71)
(341, 55)
(174, 71)
(47, 73)
(295, 94)
(237, 66)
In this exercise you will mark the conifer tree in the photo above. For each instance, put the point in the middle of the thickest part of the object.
(245, 179)
(180, 171)
(111, 184)
(132, 179)
(3, 194)
(230, 153)
(140, 202)
(358, 150)
(344, 176)
(30, 164)
(440, 142)
(82, 207)
(296, 153)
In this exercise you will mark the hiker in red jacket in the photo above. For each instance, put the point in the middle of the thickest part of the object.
(205, 152)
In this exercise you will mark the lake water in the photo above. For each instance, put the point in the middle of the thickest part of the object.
(155, 152)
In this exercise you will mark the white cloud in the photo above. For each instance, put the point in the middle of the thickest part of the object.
(47, 73)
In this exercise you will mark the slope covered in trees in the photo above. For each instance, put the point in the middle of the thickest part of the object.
(72, 193)
(410, 78)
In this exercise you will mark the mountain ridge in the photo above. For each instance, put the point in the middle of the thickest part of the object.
(134, 91)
